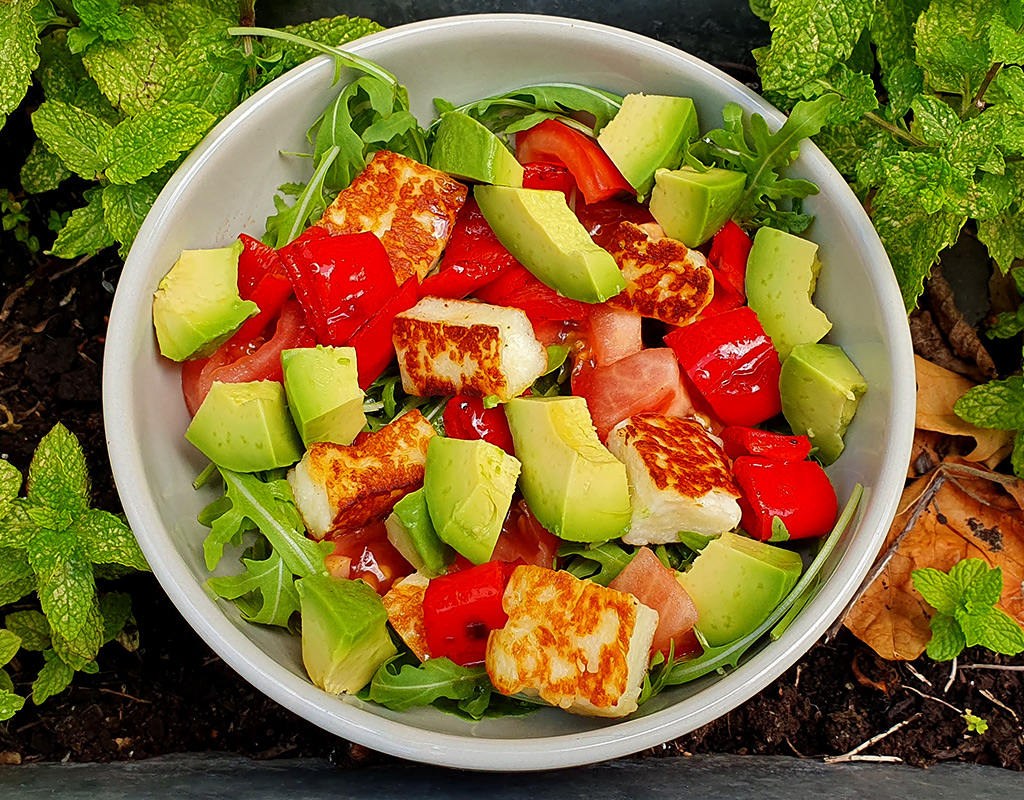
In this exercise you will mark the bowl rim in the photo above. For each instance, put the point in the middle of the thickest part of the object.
(447, 749)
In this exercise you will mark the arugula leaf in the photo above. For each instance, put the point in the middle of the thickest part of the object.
(18, 40)
(79, 139)
(600, 563)
(408, 686)
(43, 171)
(808, 39)
(290, 221)
(31, 628)
(997, 404)
(125, 208)
(271, 582)
(139, 146)
(331, 31)
(86, 231)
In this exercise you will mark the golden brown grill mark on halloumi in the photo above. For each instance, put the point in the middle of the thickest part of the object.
(665, 279)
(571, 642)
(474, 351)
(679, 454)
(404, 604)
(365, 479)
(410, 206)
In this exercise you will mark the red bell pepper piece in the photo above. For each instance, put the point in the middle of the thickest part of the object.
(262, 279)
(466, 418)
(739, 441)
(518, 288)
(797, 492)
(340, 281)
(733, 364)
(461, 608)
(373, 343)
(545, 175)
(601, 219)
(472, 258)
(728, 258)
(595, 174)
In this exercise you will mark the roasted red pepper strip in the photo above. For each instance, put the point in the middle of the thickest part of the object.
(733, 364)
(601, 219)
(797, 492)
(517, 288)
(340, 281)
(262, 279)
(739, 441)
(472, 258)
(595, 174)
(545, 175)
(372, 342)
(461, 608)
(728, 258)
(466, 418)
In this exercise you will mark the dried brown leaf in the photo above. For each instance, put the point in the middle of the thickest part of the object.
(968, 512)
(962, 337)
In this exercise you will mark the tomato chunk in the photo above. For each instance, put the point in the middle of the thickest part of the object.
(461, 608)
(797, 492)
(523, 539)
(655, 585)
(612, 334)
(466, 418)
(366, 554)
(600, 219)
(554, 177)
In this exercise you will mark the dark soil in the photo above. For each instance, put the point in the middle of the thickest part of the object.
(174, 695)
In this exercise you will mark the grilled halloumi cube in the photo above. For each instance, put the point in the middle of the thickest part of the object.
(342, 487)
(404, 603)
(679, 478)
(457, 347)
(410, 206)
(571, 642)
(665, 279)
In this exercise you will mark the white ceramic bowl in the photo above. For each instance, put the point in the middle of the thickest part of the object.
(226, 187)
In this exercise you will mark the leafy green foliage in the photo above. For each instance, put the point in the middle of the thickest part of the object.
(965, 615)
(600, 563)
(42, 171)
(975, 724)
(999, 404)
(86, 231)
(18, 40)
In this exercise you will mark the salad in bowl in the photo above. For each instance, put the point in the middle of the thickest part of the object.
(525, 407)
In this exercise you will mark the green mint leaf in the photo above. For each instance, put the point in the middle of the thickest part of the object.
(762, 9)
(992, 195)
(108, 540)
(938, 589)
(58, 476)
(913, 239)
(80, 38)
(1008, 324)
(91, 100)
(18, 56)
(16, 577)
(60, 71)
(10, 703)
(273, 585)
(856, 90)
(177, 20)
(1009, 83)
(966, 571)
(139, 146)
(31, 627)
(410, 686)
(947, 640)
(1005, 43)
(10, 644)
(94, 12)
(1017, 456)
(952, 44)
(10, 485)
(983, 590)
(974, 625)
(43, 170)
(132, 74)
(996, 404)
(935, 120)
(1003, 235)
(116, 610)
(85, 232)
(926, 178)
(1004, 634)
(332, 31)
(125, 208)
(79, 139)
(53, 678)
(892, 31)
(198, 82)
(6, 684)
(809, 38)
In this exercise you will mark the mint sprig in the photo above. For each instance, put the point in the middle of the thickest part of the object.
(965, 615)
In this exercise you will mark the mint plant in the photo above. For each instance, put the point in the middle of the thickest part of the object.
(965, 614)
(55, 545)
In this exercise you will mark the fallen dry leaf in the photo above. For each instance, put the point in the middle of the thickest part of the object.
(958, 511)
(963, 338)
(938, 390)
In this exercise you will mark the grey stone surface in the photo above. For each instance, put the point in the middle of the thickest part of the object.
(217, 777)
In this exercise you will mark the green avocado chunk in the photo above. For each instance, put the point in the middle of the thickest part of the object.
(322, 384)
(468, 486)
(782, 271)
(344, 632)
(246, 427)
(736, 582)
(197, 307)
(540, 230)
(821, 389)
(574, 486)
(649, 133)
(467, 150)
(692, 206)
(412, 534)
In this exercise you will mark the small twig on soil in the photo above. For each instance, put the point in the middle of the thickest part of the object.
(952, 677)
(931, 697)
(796, 683)
(872, 759)
(852, 754)
(122, 694)
(916, 674)
(993, 666)
(998, 702)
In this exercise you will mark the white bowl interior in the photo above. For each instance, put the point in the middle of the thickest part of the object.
(226, 187)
